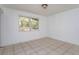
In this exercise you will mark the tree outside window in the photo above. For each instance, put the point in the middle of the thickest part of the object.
(27, 24)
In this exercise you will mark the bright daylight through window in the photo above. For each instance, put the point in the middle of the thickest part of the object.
(28, 24)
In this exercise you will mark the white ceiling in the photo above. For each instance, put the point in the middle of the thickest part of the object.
(36, 8)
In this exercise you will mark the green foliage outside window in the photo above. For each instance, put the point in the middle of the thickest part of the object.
(26, 24)
(34, 23)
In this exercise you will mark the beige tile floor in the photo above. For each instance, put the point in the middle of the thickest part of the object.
(44, 46)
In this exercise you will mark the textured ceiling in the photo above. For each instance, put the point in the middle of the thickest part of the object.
(36, 8)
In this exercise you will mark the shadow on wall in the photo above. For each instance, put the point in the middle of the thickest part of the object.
(1, 11)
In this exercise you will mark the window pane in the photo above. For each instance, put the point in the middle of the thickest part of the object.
(34, 23)
(24, 24)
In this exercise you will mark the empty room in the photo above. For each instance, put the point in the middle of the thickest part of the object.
(39, 29)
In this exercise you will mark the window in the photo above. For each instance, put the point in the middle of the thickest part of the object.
(34, 23)
(24, 24)
(27, 24)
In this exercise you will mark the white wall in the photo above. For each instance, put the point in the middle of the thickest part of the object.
(65, 26)
(10, 32)
(0, 27)
(0, 24)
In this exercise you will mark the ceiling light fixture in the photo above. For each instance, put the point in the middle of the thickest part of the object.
(44, 6)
